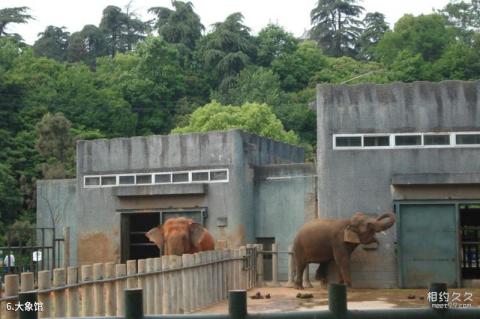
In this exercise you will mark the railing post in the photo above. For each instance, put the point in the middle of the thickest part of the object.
(187, 283)
(291, 267)
(66, 247)
(72, 293)
(149, 289)
(237, 304)
(133, 303)
(31, 298)
(440, 302)
(109, 290)
(26, 281)
(166, 306)
(44, 298)
(59, 280)
(337, 299)
(158, 285)
(99, 298)
(132, 270)
(274, 265)
(142, 267)
(120, 271)
(11, 289)
(87, 291)
(260, 265)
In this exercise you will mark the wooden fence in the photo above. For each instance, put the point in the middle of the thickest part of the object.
(171, 284)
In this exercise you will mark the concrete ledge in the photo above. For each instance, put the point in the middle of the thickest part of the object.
(149, 190)
(436, 178)
(284, 170)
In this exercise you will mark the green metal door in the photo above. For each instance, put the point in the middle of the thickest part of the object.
(428, 246)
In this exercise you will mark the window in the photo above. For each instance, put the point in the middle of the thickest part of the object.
(109, 180)
(163, 178)
(218, 176)
(92, 181)
(144, 179)
(126, 180)
(180, 177)
(468, 139)
(372, 141)
(348, 141)
(408, 140)
(199, 176)
(436, 139)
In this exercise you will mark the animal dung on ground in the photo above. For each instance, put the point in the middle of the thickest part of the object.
(258, 295)
(411, 297)
(304, 296)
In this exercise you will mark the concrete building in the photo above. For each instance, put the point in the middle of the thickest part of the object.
(412, 148)
(237, 184)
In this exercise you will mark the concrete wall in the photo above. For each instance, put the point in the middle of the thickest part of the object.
(360, 180)
(98, 210)
(285, 198)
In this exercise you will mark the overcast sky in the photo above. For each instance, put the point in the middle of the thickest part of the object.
(292, 15)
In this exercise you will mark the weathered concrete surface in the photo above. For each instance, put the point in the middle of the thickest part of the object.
(186, 189)
(285, 198)
(360, 180)
(436, 178)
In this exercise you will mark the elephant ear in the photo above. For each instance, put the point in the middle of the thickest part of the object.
(350, 236)
(156, 235)
(196, 233)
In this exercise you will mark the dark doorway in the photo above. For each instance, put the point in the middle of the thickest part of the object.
(470, 228)
(135, 245)
(267, 258)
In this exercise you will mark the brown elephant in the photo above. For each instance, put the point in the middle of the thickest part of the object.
(323, 240)
(181, 236)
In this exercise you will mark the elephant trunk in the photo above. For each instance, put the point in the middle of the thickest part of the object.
(384, 222)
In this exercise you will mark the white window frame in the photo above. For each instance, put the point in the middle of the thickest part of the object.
(189, 181)
(452, 139)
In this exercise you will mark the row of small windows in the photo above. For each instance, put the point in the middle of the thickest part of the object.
(406, 140)
(207, 176)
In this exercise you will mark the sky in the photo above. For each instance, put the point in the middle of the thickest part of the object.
(294, 16)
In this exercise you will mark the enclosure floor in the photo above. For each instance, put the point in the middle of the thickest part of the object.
(284, 299)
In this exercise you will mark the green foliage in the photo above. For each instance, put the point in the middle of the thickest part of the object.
(273, 42)
(87, 45)
(336, 26)
(251, 117)
(11, 16)
(375, 28)
(10, 198)
(52, 43)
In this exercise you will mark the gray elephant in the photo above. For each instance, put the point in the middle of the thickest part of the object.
(323, 240)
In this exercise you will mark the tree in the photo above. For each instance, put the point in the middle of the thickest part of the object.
(10, 198)
(336, 26)
(227, 50)
(87, 45)
(11, 16)
(180, 26)
(273, 42)
(52, 43)
(56, 144)
(464, 16)
(252, 117)
(375, 29)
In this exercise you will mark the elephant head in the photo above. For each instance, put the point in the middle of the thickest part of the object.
(362, 228)
(179, 236)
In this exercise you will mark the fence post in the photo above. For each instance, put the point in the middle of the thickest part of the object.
(187, 283)
(196, 274)
(87, 291)
(59, 280)
(158, 285)
(133, 304)
(219, 273)
(274, 265)
(337, 299)
(11, 289)
(244, 276)
(260, 282)
(132, 270)
(306, 277)
(149, 288)
(166, 286)
(202, 281)
(44, 298)
(180, 291)
(26, 281)
(66, 247)
(99, 300)
(120, 271)
(72, 293)
(109, 290)
(210, 294)
(142, 267)
(30, 297)
(237, 304)
(291, 267)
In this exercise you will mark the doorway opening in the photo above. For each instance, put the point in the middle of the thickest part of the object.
(470, 230)
(134, 243)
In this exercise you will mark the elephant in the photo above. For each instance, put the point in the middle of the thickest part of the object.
(321, 240)
(181, 236)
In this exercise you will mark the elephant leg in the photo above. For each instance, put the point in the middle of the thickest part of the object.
(300, 267)
(342, 259)
(321, 273)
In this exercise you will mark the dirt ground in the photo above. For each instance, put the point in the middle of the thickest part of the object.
(284, 299)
